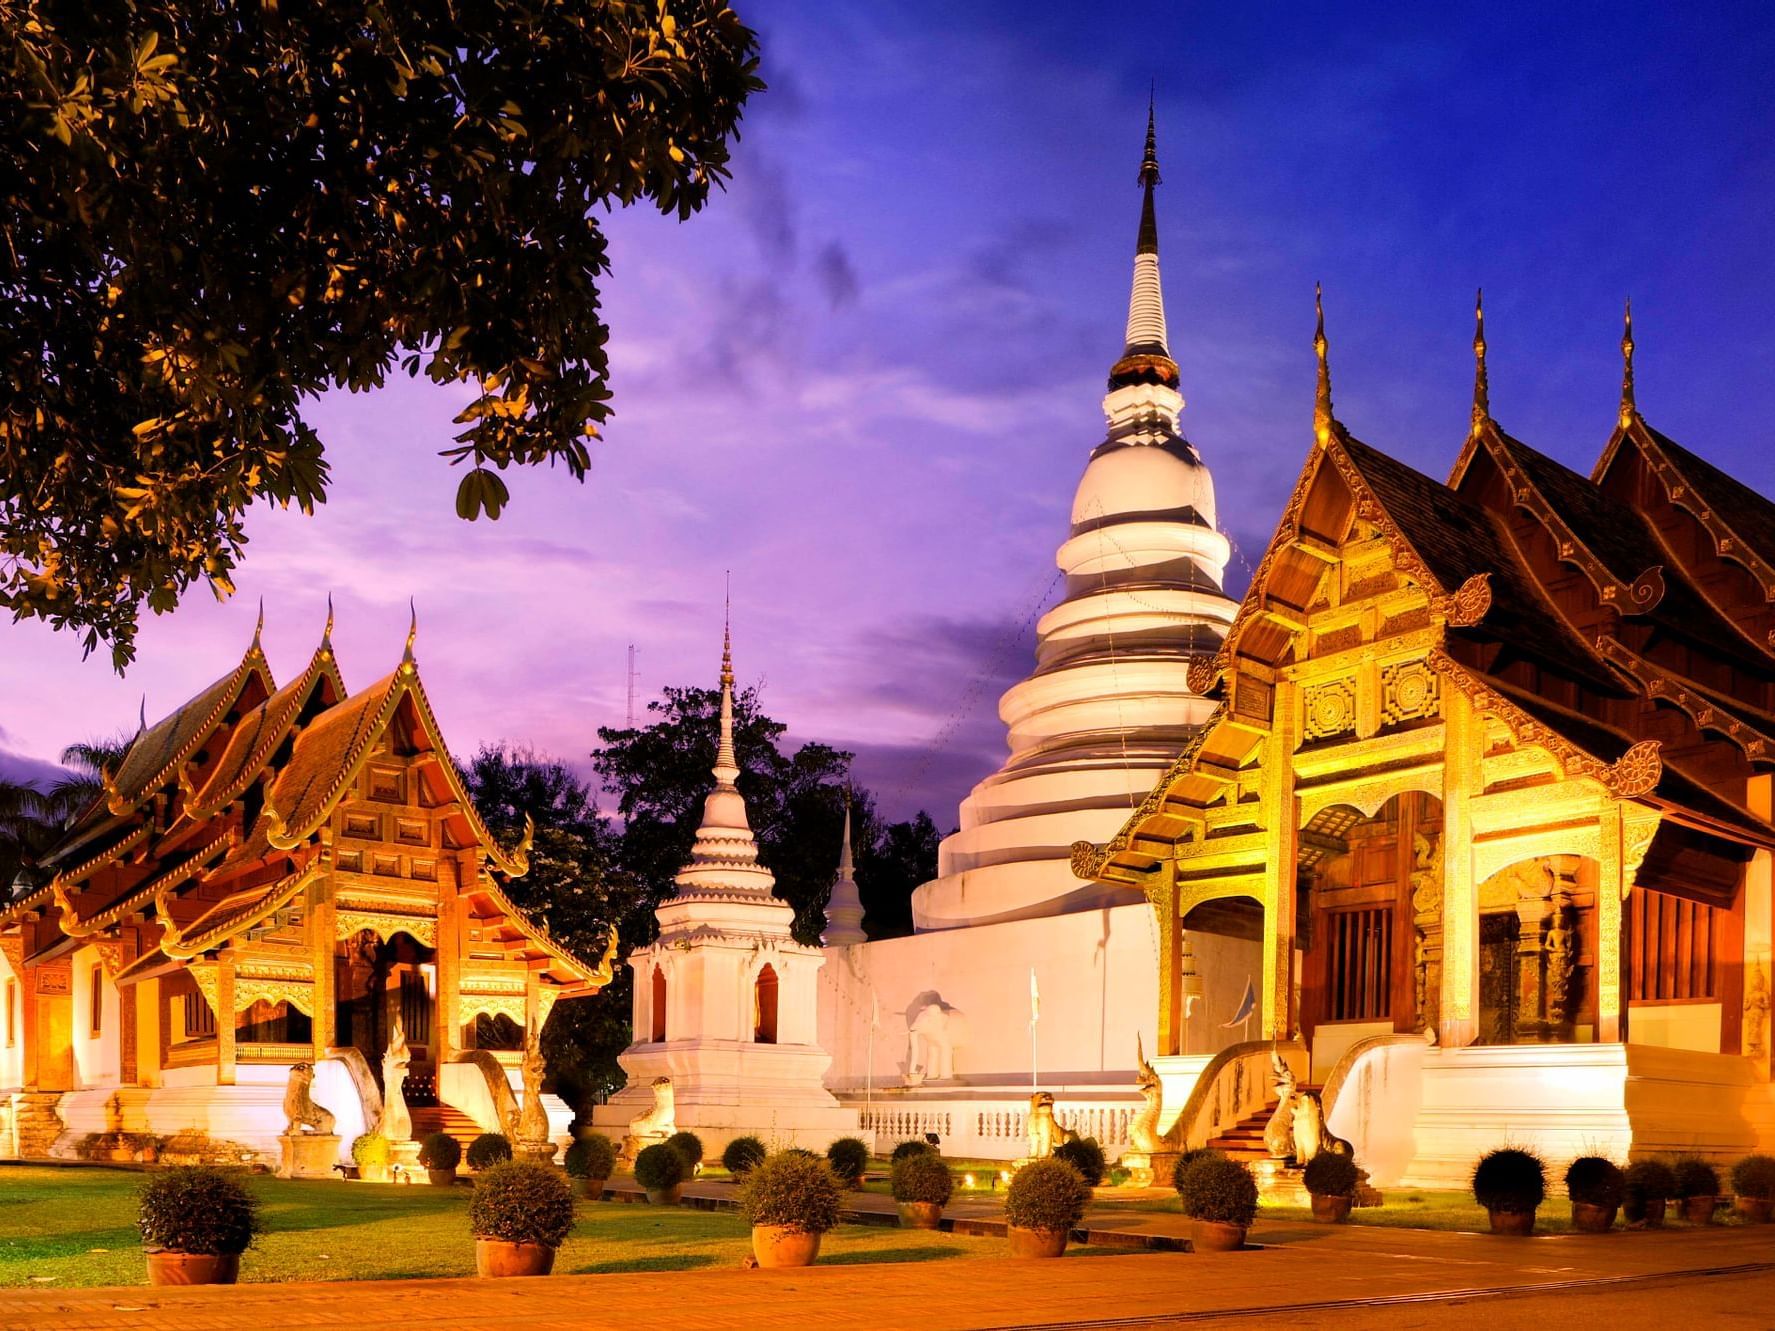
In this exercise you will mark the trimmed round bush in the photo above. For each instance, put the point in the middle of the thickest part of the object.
(911, 1147)
(1186, 1159)
(1217, 1189)
(743, 1155)
(1650, 1180)
(689, 1146)
(1046, 1194)
(921, 1177)
(1510, 1179)
(1695, 1178)
(1331, 1174)
(591, 1156)
(1086, 1156)
(487, 1150)
(849, 1158)
(1754, 1176)
(370, 1150)
(659, 1167)
(795, 1191)
(1594, 1181)
(521, 1201)
(197, 1209)
(440, 1151)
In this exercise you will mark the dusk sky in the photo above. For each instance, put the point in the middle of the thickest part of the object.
(866, 379)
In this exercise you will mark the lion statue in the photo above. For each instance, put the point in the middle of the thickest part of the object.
(300, 1110)
(1297, 1129)
(1045, 1130)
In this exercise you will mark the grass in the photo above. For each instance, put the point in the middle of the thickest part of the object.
(70, 1227)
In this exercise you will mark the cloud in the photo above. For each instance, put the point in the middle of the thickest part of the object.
(832, 266)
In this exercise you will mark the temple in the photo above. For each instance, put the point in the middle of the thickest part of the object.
(1489, 770)
(937, 1032)
(275, 879)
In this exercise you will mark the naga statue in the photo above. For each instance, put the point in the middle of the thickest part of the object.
(397, 1123)
(1143, 1130)
(533, 1119)
(301, 1113)
(1045, 1130)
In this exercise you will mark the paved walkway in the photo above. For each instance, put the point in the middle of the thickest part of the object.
(1306, 1276)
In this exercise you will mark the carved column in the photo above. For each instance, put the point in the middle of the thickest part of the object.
(1465, 730)
(1626, 837)
(322, 944)
(1531, 959)
(225, 1017)
(1281, 815)
(1426, 906)
(1168, 912)
(1759, 967)
(446, 1028)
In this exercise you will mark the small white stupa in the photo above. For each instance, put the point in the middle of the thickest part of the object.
(725, 998)
(844, 908)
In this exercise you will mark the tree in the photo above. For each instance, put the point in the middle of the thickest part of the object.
(897, 860)
(573, 890)
(211, 213)
(33, 820)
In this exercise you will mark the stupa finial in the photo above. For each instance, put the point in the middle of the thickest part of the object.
(1629, 408)
(1322, 417)
(1481, 384)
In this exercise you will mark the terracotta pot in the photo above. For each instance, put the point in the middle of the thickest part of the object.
(1699, 1210)
(1519, 1223)
(1591, 1219)
(498, 1258)
(442, 1178)
(595, 1188)
(665, 1196)
(920, 1215)
(1755, 1210)
(779, 1245)
(1216, 1236)
(1647, 1213)
(1036, 1242)
(1331, 1210)
(167, 1267)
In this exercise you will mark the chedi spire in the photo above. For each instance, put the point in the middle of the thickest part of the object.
(1146, 356)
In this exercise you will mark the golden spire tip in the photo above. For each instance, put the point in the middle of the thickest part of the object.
(1481, 383)
(1322, 417)
(326, 634)
(412, 628)
(1629, 408)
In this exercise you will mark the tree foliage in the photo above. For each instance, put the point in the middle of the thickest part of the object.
(213, 212)
(32, 819)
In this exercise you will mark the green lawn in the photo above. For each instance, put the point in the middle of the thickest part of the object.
(71, 1227)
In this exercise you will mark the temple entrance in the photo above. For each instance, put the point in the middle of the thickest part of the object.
(377, 982)
(764, 1007)
(1537, 952)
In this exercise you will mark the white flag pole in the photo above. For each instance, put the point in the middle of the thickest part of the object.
(1035, 1016)
(869, 1066)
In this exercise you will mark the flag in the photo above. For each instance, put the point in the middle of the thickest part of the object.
(1035, 999)
(1246, 1006)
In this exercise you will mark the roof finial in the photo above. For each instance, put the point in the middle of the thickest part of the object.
(259, 628)
(1481, 385)
(845, 866)
(1629, 409)
(326, 634)
(1322, 418)
(142, 716)
(727, 634)
(412, 630)
(1149, 163)
(727, 768)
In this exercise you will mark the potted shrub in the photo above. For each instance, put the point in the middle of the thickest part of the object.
(661, 1171)
(591, 1158)
(1650, 1184)
(1698, 1187)
(921, 1185)
(849, 1158)
(370, 1153)
(690, 1149)
(790, 1201)
(1510, 1183)
(1043, 1205)
(1187, 1158)
(440, 1154)
(487, 1150)
(521, 1213)
(1086, 1156)
(1331, 1181)
(1596, 1187)
(911, 1147)
(195, 1223)
(1753, 1186)
(742, 1156)
(1220, 1196)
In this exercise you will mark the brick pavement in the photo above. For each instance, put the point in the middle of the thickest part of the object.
(1302, 1268)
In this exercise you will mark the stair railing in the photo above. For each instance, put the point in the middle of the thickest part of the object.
(1238, 1082)
(486, 1098)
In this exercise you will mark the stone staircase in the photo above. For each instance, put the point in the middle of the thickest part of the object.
(1244, 1140)
(447, 1119)
(37, 1123)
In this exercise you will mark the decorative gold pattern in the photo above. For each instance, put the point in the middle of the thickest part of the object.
(1330, 709)
(1410, 691)
(386, 924)
(1467, 605)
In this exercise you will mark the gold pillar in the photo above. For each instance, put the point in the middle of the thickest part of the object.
(446, 1033)
(225, 1017)
(1281, 814)
(1465, 731)
(322, 946)
(1168, 915)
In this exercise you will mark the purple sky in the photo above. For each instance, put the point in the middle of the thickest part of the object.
(866, 379)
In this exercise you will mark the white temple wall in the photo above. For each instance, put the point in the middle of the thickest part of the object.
(1098, 975)
(97, 1058)
(12, 1037)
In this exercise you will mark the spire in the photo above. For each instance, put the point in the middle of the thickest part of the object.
(1145, 357)
(1322, 417)
(727, 769)
(259, 630)
(1629, 408)
(412, 631)
(1481, 385)
(844, 908)
(326, 634)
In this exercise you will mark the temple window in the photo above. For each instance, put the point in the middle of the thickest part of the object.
(1671, 949)
(95, 1002)
(764, 1007)
(1360, 972)
(263, 1022)
(658, 1019)
(200, 1017)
